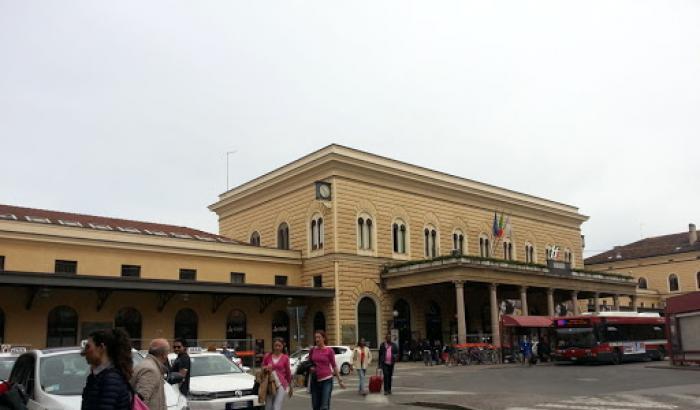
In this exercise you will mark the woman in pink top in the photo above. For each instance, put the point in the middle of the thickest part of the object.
(322, 372)
(278, 364)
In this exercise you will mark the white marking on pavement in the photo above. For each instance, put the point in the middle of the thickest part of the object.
(645, 404)
(686, 397)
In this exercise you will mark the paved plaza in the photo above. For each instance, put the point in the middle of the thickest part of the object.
(510, 387)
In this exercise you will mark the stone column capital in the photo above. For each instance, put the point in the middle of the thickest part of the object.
(458, 283)
(550, 291)
(523, 288)
(493, 286)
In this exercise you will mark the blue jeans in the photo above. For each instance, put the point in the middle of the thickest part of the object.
(361, 373)
(321, 394)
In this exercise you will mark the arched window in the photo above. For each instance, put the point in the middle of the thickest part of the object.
(568, 257)
(364, 232)
(484, 247)
(62, 329)
(2, 326)
(430, 238)
(280, 327)
(642, 283)
(458, 241)
(255, 238)
(673, 282)
(186, 324)
(529, 253)
(317, 232)
(507, 250)
(367, 322)
(236, 325)
(319, 321)
(129, 320)
(283, 236)
(398, 234)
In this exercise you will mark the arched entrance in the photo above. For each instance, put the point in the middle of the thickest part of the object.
(186, 323)
(367, 321)
(236, 327)
(319, 321)
(280, 327)
(433, 322)
(62, 327)
(129, 320)
(402, 322)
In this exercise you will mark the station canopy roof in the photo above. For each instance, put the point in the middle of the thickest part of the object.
(526, 321)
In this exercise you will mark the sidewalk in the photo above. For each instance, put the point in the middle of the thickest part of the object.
(668, 366)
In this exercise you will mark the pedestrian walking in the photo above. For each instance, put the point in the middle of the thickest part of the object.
(361, 358)
(147, 380)
(108, 352)
(427, 352)
(388, 356)
(277, 363)
(525, 350)
(322, 372)
(182, 364)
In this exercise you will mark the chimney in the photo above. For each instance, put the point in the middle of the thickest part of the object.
(692, 234)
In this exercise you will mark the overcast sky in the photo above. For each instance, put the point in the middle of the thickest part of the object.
(127, 108)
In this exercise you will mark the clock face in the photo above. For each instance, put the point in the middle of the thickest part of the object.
(325, 191)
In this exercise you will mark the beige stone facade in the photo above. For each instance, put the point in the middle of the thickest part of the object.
(387, 192)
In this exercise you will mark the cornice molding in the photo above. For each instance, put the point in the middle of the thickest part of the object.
(334, 159)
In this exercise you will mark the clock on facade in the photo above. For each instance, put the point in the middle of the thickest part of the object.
(323, 191)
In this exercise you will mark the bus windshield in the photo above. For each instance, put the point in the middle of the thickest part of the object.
(575, 337)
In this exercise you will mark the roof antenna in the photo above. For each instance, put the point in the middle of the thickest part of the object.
(228, 153)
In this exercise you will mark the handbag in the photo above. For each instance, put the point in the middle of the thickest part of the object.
(137, 403)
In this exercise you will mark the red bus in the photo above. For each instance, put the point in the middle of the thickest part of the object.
(612, 337)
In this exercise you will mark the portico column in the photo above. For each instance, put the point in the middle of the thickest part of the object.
(461, 317)
(550, 302)
(523, 299)
(495, 323)
(574, 301)
(616, 302)
(633, 302)
(596, 300)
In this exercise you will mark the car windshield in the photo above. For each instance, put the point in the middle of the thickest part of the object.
(64, 374)
(299, 354)
(212, 365)
(575, 337)
(6, 366)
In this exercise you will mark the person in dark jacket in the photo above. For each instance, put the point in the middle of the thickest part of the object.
(182, 364)
(388, 356)
(108, 352)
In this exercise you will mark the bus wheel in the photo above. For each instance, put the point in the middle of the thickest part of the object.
(617, 357)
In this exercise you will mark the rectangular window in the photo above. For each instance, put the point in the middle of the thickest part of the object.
(318, 281)
(237, 277)
(131, 271)
(2, 263)
(280, 280)
(188, 274)
(66, 267)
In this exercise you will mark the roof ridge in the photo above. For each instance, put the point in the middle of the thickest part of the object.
(97, 217)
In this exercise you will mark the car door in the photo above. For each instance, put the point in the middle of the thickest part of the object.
(24, 375)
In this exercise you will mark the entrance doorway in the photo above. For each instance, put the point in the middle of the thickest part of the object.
(433, 322)
(367, 321)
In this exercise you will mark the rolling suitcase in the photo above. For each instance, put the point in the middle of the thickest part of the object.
(375, 382)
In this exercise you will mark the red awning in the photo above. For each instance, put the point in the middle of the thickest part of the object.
(526, 321)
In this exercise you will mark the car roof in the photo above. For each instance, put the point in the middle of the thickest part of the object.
(58, 350)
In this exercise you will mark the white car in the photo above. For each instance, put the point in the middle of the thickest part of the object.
(343, 358)
(55, 378)
(217, 383)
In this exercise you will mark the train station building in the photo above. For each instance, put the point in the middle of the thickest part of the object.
(342, 240)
